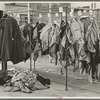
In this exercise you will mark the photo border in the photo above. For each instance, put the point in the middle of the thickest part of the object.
(49, 98)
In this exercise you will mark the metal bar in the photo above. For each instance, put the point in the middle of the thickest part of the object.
(61, 16)
(16, 5)
(23, 11)
(56, 60)
(66, 51)
(50, 12)
(34, 64)
(29, 35)
(4, 65)
(80, 8)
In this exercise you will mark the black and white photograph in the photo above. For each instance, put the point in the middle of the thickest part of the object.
(49, 49)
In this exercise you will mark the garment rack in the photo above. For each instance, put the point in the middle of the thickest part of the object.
(66, 18)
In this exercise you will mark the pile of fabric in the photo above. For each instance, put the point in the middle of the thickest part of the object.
(25, 81)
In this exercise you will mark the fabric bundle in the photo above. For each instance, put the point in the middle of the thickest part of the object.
(25, 81)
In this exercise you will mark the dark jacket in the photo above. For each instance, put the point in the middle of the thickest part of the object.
(11, 42)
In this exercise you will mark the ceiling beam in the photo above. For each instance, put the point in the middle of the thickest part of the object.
(16, 5)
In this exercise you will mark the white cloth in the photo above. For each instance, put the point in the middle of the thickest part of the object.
(77, 29)
(44, 36)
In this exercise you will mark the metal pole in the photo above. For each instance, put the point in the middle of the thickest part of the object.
(61, 16)
(34, 64)
(29, 13)
(49, 21)
(66, 51)
(49, 12)
(4, 65)
(30, 35)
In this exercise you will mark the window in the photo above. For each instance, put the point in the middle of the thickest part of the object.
(42, 6)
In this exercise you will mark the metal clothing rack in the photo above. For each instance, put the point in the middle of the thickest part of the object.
(4, 63)
(66, 18)
(67, 11)
(31, 56)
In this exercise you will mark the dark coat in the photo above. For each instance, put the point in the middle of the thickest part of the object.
(11, 42)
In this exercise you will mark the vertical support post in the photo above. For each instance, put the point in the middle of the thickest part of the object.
(66, 59)
(4, 65)
(30, 35)
(61, 16)
(56, 56)
(49, 21)
(28, 12)
(50, 12)
(34, 64)
(91, 5)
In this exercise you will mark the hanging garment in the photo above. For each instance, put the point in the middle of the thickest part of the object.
(54, 44)
(76, 38)
(54, 34)
(37, 41)
(44, 30)
(91, 43)
(52, 37)
(61, 33)
(36, 51)
(35, 35)
(11, 41)
(29, 43)
(44, 36)
(90, 27)
(28, 32)
(91, 37)
(39, 28)
(91, 34)
(86, 21)
(64, 42)
(77, 29)
(53, 50)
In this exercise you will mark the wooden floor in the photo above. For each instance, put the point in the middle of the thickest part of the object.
(77, 86)
(56, 91)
